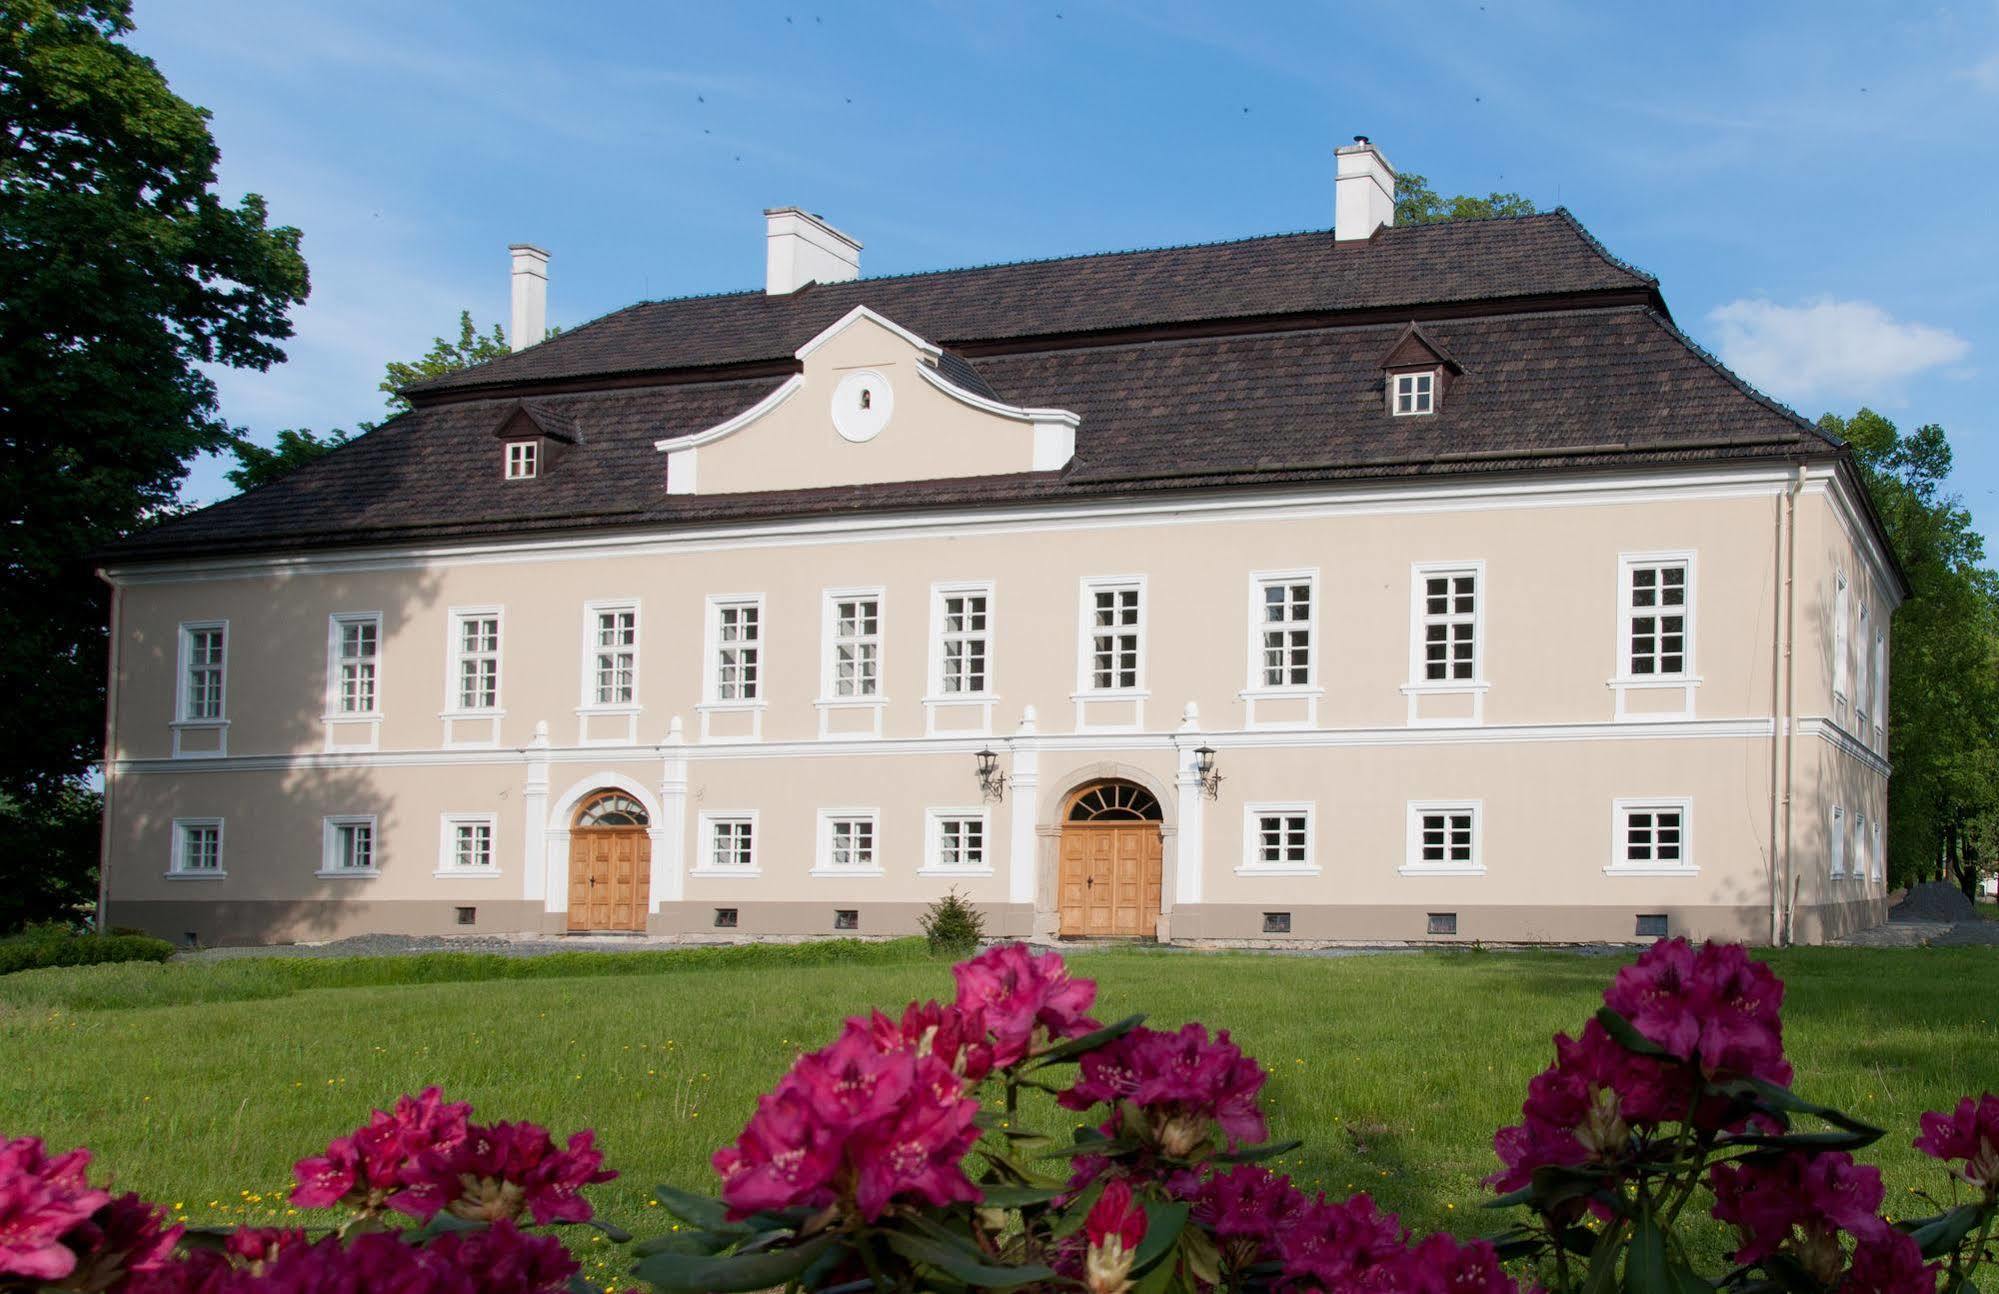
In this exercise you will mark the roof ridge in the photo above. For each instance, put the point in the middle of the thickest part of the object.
(1739, 382)
(1595, 244)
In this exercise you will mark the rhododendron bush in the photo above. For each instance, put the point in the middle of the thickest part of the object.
(898, 1157)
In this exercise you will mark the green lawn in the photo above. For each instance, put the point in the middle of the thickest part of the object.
(199, 1084)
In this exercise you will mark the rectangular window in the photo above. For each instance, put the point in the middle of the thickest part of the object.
(1286, 612)
(1880, 680)
(1277, 837)
(1441, 923)
(1116, 640)
(1652, 925)
(738, 646)
(357, 645)
(197, 847)
(1443, 837)
(204, 655)
(1415, 393)
(957, 841)
(467, 844)
(1651, 836)
(731, 842)
(614, 655)
(854, 633)
(1447, 624)
(847, 840)
(476, 649)
(1655, 619)
(1277, 923)
(964, 645)
(349, 846)
(1860, 839)
(846, 918)
(1862, 689)
(523, 460)
(1875, 856)
(1841, 609)
(1837, 843)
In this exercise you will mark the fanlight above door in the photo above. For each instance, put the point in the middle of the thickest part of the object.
(1115, 802)
(612, 809)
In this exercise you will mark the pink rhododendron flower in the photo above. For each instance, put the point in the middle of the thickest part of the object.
(1187, 1083)
(41, 1200)
(1341, 1246)
(1584, 1107)
(1714, 1004)
(919, 1150)
(496, 1260)
(1891, 1263)
(380, 1164)
(785, 1156)
(954, 1036)
(1112, 1230)
(509, 1168)
(126, 1235)
(1969, 1133)
(256, 1246)
(1801, 1200)
(1440, 1265)
(1026, 1001)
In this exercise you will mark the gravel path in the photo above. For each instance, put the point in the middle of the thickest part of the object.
(1903, 932)
(402, 945)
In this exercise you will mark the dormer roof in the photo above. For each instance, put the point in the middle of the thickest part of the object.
(522, 419)
(1415, 348)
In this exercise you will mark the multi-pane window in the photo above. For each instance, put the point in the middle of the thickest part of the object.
(1285, 632)
(469, 845)
(476, 645)
(738, 649)
(350, 845)
(856, 646)
(1656, 620)
(1280, 838)
(1444, 837)
(1880, 678)
(357, 645)
(731, 842)
(959, 843)
(1860, 839)
(1117, 627)
(198, 848)
(1653, 837)
(1842, 607)
(1415, 393)
(1449, 624)
(614, 659)
(850, 842)
(1837, 843)
(523, 459)
(1863, 689)
(963, 644)
(204, 649)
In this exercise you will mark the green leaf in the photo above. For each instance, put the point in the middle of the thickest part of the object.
(1018, 1197)
(957, 1262)
(1163, 1224)
(1088, 1042)
(1783, 1102)
(732, 1273)
(1942, 1234)
(691, 1241)
(1650, 1266)
(1251, 1154)
(709, 1215)
(616, 1234)
(1627, 1034)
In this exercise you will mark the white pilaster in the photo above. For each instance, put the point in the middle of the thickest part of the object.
(1024, 785)
(1192, 836)
(669, 841)
(534, 817)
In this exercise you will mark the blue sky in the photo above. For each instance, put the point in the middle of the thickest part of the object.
(1817, 185)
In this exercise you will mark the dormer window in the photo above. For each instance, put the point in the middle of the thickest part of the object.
(523, 460)
(1415, 393)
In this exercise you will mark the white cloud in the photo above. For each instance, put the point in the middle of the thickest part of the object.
(1986, 74)
(1829, 348)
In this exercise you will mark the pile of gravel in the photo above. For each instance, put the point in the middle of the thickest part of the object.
(1934, 901)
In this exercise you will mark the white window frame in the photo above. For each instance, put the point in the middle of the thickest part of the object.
(830, 642)
(1425, 392)
(330, 829)
(1842, 642)
(523, 460)
(1836, 843)
(711, 668)
(593, 612)
(454, 656)
(183, 678)
(1413, 864)
(1863, 664)
(707, 822)
(337, 625)
(939, 594)
(447, 844)
(177, 868)
(823, 864)
(1419, 685)
(1620, 812)
(1252, 864)
(1858, 856)
(1878, 854)
(1086, 637)
(933, 842)
(1687, 682)
(1880, 686)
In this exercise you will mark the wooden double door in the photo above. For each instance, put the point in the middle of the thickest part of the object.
(1110, 879)
(610, 878)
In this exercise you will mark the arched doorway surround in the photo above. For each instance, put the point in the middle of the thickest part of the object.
(1106, 856)
(610, 862)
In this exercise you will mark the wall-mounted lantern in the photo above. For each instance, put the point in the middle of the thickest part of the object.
(992, 782)
(1211, 778)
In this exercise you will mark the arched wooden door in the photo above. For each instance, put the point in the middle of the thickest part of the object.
(1112, 855)
(610, 864)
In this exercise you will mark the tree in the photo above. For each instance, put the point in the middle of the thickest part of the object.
(1943, 709)
(256, 465)
(472, 347)
(122, 274)
(1416, 203)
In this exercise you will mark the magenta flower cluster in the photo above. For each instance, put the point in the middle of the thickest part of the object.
(1188, 1085)
(883, 1115)
(500, 1259)
(1969, 1137)
(55, 1226)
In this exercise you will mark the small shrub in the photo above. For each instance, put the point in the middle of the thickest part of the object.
(952, 926)
(54, 945)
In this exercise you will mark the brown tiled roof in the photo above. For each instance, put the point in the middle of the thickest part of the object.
(1550, 390)
(1280, 275)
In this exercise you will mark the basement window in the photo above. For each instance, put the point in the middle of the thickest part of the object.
(725, 918)
(467, 916)
(846, 918)
(523, 460)
(1277, 923)
(1652, 925)
(1443, 923)
(1415, 393)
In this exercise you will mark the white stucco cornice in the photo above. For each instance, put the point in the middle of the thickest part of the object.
(741, 420)
(985, 405)
(929, 350)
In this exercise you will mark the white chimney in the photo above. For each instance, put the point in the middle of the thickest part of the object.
(1364, 193)
(800, 248)
(530, 318)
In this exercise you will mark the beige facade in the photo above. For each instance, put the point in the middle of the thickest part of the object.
(1765, 750)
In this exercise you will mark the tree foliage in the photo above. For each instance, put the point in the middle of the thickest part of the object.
(1416, 203)
(293, 448)
(122, 273)
(1943, 721)
(444, 356)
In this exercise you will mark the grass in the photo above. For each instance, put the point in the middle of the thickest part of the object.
(198, 1084)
